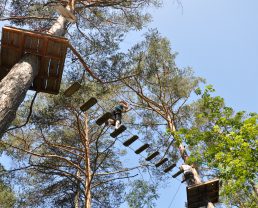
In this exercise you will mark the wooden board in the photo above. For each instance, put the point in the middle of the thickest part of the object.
(130, 140)
(161, 162)
(151, 156)
(86, 106)
(103, 118)
(50, 49)
(118, 131)
(72, 89)
(198, 195)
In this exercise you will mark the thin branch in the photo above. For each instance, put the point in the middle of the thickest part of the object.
(28, 117)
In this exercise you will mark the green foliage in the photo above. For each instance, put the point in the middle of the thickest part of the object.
(7, 197)
(142, 195)
(226, 143)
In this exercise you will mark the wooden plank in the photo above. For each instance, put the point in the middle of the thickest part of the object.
(9, 46)
(53, 49)
(142, 148)
(86, 106)
(51, 85)
(162, 161)
(152, 156)
(36, 34)
(5, 37)
(53, 69)
(130, 140)
(16, 39)
(177, 173)
(118, 131)
(103, 118)
(169, 168)
(72, 89)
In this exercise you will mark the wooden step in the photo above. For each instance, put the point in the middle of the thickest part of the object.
(131, 140)
(104, 118)
(142, 148)
(86, 106)
(118, 131)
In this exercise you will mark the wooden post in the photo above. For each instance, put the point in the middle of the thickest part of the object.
(87, 164)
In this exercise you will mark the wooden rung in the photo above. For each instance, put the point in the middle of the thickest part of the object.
(142, 148)
(161, 162)
(103, 118)
(131, 140)
(169, 168)
(86, 106)
(151, 156)
(72, 89)
(177, 173)
(118, 131)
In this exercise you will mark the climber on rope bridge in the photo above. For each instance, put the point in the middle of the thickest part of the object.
(116, 119)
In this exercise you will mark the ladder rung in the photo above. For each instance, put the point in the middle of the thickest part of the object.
(86, 106)
(161, 162)
(178, 173)
(72, 89)
(131, 140)
(169, 168)
(142, 148)
(151, 156)
(118, 131)
(103, 118)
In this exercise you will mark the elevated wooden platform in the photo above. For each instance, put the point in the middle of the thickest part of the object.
(199, 195)
(50, 49)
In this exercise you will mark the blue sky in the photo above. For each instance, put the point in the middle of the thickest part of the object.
(219, 40)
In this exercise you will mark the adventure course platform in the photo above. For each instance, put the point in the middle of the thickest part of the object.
(50, 49)
(199, 195)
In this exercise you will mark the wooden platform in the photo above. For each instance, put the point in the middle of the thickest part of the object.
(50, 49)
(198, 195)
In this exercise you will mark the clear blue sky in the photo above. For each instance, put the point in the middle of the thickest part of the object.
(219, 39)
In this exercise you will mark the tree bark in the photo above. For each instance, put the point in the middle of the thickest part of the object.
(77, 196)
(13, 88)
(185, 156)
(87, 166)
(15, 84)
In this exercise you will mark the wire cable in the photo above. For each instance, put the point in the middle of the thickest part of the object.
(170, 205)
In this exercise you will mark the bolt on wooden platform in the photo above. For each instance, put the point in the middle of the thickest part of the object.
(199, 195)
(50, 49)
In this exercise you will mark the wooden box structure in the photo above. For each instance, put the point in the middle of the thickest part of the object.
(199, 195)
(51, 51)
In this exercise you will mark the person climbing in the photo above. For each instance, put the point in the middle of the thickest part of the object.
(116, 119)
(188, 174)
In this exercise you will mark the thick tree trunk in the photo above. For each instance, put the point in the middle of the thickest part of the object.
(15, 84)
(13, 88)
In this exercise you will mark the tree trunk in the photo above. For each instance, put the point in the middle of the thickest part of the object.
(77, 196)
(13, 88)
(87, 166)
(184, 156)
(15, 84)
